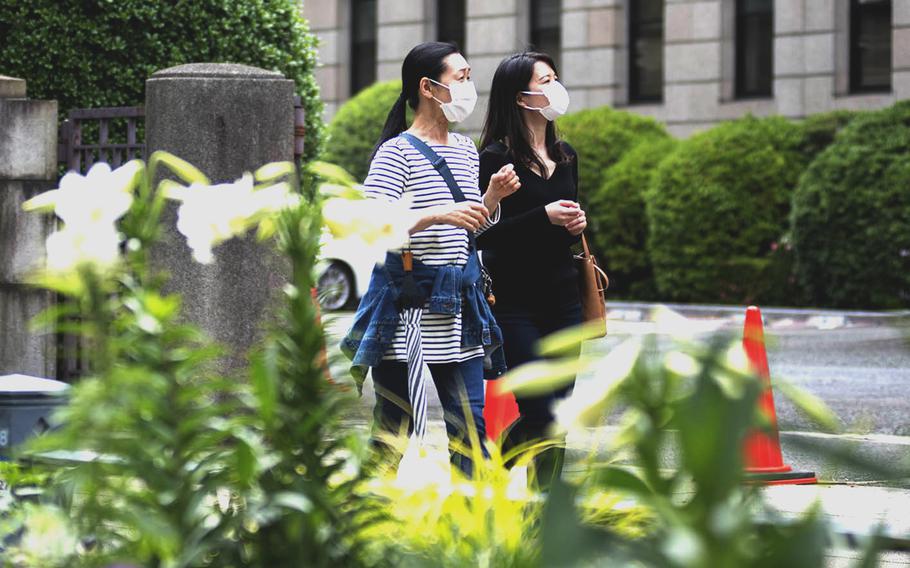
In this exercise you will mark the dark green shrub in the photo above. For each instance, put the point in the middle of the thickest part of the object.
(717, 210)
(94, 53)
(850, 215)
(617, 223)
(819, 131)
(356, 127)
(601, 136)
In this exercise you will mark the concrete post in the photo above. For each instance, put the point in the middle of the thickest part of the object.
(225, 119)
(28, 166)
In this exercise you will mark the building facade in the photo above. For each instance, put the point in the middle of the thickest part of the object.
(688, 63)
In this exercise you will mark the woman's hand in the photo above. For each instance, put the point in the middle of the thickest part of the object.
(466, 214)
(503, 183)
(578, 224)
(563, 212)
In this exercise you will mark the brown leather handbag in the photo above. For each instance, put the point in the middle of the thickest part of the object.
(592, 283)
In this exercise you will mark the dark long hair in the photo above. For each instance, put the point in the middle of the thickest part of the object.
(504, 122)
(424, 60)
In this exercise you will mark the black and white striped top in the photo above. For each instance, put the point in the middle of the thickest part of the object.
(398, 169)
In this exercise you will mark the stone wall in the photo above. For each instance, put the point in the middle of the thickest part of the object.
(28, 166)
(810, 55)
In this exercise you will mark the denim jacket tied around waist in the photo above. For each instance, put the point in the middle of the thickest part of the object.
(450, 289)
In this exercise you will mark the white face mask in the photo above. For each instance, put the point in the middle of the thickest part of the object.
(558, 99)
(464, 97)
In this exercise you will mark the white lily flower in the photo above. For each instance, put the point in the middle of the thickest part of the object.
(76, 245)
(212, 214)
(380, 224)
(98, 198)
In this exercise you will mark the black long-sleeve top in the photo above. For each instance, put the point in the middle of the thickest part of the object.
(528, 257)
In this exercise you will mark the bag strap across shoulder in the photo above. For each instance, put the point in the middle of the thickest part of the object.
(437, 162)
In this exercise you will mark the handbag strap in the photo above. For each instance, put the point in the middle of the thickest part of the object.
(598, 272)
(441, 166)
(584, 246)
(438, 162)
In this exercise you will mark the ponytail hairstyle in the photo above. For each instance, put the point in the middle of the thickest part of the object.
(424, 60)
(505, 122)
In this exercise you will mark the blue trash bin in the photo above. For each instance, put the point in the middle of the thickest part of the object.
(26, 405)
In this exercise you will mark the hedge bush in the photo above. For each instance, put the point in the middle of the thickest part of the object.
(820, 130)
(850, 215)
(601, 136)
(717, 210)
(618, 226)
(96, 53)
(355, 128)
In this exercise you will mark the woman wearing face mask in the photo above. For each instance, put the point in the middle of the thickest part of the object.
(528, 252)
(439, 271)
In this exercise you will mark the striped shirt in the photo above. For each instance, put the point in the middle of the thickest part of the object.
(400, 170)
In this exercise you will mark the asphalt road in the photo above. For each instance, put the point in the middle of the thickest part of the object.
(862, 371)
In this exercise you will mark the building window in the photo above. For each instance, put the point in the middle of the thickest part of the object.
(450, 19)
(870, 46)
(646, 51)
(546, 27)
(363, 44)
(754, 48)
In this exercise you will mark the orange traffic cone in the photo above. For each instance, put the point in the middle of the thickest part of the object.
(764, 461)
(499, 410)
(324, 354)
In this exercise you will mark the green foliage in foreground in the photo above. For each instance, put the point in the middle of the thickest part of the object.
(181, 466)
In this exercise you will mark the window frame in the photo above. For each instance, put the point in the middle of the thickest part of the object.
(462, 25)
(535, 30)
(634, 94)
(855, 82)
(357, 45)
(740, 90)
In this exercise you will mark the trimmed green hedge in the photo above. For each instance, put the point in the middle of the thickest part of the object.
(96, 53)
(356, 127)
(601, 136)
(718, 208)
(618, 226)
(820, 130)
(850, 225)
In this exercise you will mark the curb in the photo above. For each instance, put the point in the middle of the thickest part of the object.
(873, 459)
(816, 317)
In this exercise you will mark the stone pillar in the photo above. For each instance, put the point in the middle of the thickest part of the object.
(28, 166)
(225, 119)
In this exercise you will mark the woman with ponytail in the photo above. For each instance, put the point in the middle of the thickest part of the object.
(437, 276)
(528, 252)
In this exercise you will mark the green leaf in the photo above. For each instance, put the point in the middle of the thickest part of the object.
(185, 170)
(540, 377)
(274, 170)
(331, 173)
(294, 501)
(622, 479)
(566, 341)
(814, 407)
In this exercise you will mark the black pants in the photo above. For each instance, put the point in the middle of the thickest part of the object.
(521, 330)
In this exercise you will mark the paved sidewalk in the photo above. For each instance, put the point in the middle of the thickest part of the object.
(853, 511)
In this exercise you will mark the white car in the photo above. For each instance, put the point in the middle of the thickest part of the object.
(344, 272)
